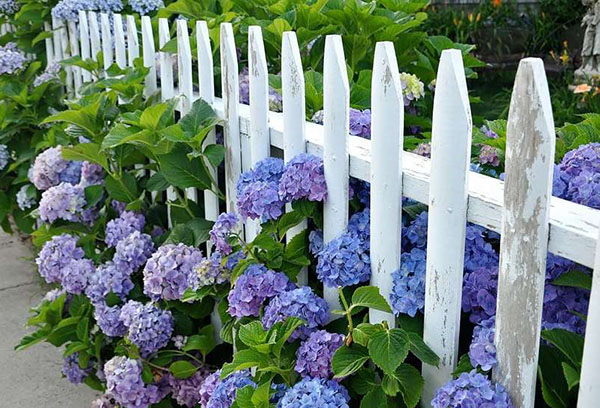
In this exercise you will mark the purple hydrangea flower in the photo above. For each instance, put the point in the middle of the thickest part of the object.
(359, 226)
(133, 251)
(489, 132)
(171, 271)
(416, 232)
(104, 401)
(225, 223)
(489, 155)
(118, 206)
(72, 371)
(208, 387)
(233, 260)
(76, 274)
(313, 358)
(55, 255)
(9, 7)
(577, 177)
(303, 178)
(210, 271)
(120, 228)
(12, 59)
(479, 293)
(423, 149)
(408, 291)
(53, 294)
(51, 73)
(179, 341)
(50, 169)
(109, 320)
(315, 392)
(145, 7)
(124, 383)
(360, 122)
(91, 174)
(268, 170)
(562, 306)
(4, 156)
(64, 201)
(226, 390)
(148, 327)
(260, 199)
(471, 390)
(108, 277)
(26, 197)
(344, 261)
(482, 351)
(315, 242)
(256, 285)
(185, 391)
(301, 303)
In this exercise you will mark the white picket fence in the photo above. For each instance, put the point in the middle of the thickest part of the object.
(522, 209)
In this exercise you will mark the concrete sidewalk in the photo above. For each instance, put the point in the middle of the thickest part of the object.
(30, 378)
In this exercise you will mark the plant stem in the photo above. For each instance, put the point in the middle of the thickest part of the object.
(347, 309)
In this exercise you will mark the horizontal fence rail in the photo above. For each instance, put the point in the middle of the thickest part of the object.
(531, 221)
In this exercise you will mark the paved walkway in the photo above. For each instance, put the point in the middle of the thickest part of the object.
(30, 378)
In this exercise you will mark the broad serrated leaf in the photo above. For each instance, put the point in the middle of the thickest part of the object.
(422, 350)
(388, 349)
(374, 398)
(411, 384)
(347, 360)
(569, 343)
(364, 331)
(369, 296)
(182, 369)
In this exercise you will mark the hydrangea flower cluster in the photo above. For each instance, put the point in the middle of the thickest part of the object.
(55, 255)
(489, 133)
(133, 251)
(69, 9)
(50, 169)
(144, 7)
(471, 390)
(489, 155)
(577, 177)
(208, 387)
(313, 358)
(64, 201)
(120, 228)
(171, 271)
(315, 392)
(148, 327)
(268, 170)
(482, 351)
(76, 274)
(4, 156)
(12, 59)
(226, 390)
(303, 178)
(256, 285)
(179, 341)
(412, 88)
(315, 242)
(561, 308)
(210, 271)
(72, 371)
(185, 391)
(224, 224)
(91, 174)
(9, 7)
(124, 383)
(108, 277)
(301, 303)
(24, 200)
(109, 320)
(479, 293)
(360, 122)
(344, 261)
(51, 73)
(423, 149)
(104, 401)
(260, 200)
(408, 292)
(416, 232)
(53, 294)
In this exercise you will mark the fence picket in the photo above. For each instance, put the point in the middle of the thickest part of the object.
(294, 117)
(133, 42)
(74, 46)
(120, 52)
(58, 55)
(387, 134)
(448, 193)
(107, 41)
(61, 43)
(94, 35)
(336, 122)
(231, 129)
(149, 55)
(84, 41)
(49, 44)
(207, 92)
(524, 243)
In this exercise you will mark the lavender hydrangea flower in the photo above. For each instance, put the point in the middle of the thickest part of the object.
(471, 390)
(313, 358)
(224, 224)
(303, 178)
(233, 260)
(489, 155)
(120, 228)
(489, 133)
(4, 156)
(256, 285)
(91, 174)
(51, 73)
(55, 255)
(118, 206)
(210, 271)
(301, 303)
(64, 201)
(208, 387)
(9, 7)
(482, 351)
(124, 383)
(563, 307)
(360, 123)
(53, 294)
(108, 277)
(104, 401)
(479, 253)
(12, 59)
(145, 7)
(423, 149)
(315, 242)
(76, 274)
(109, 6)
(50, 169)
(26, 197)
(69, 9)
(479, 293)
(225, 392)
(109, 320)
(344, 261)
(260, 200)
(148, 327)
(133, 251)
(577, 177)
(416, 232)
(315, 392)
(72, 371)
(268, 170)
(179, 341)
(171, 271)
(185, 391)
(408, 291)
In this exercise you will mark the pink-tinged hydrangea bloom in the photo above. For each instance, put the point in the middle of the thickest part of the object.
(64, 201)
(55, 255)
(313, 358)
(208, 387)
(171, 271)
(260, 200)
(471, 390)
(76, 274)
(301, 303)
(148, 327)
(482, 351)
(133, 251)
(108, 277)
(124, 383)
(50, 169)
(109, 320)
(12, 59)
(225, 392)
(489, 155)
(223, 226)
(120, 228)
(256, 285)
(315, 392)
(303, 178)
(185, 391)
(72, 371)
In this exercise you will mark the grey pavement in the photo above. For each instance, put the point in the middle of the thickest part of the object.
(29, 378)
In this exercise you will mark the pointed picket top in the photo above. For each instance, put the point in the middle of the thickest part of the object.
(94, 35)
(107, 41)
(49, 43)
(387, 134)
(205, 62)
(448, 194)
(133, 42)
(149, 54)
(120, 52)
(184, 60)
(336, 111)
(530, 145)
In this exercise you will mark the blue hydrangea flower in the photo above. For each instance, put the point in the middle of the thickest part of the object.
(234, 259)
(416, 232)
(260, 200)
(256, 285)
(171, 271)
(12, 59)
(72, 371)
(301, 303)
(344, 261)
(76, 274)
(109, 320)
(148, 327)
(359, 226)
(4, 156)
(185, 391)
(226, 390)
(223, 226)
(471, 390)
(50, 169)
(145, 7)
(561, 308)
(91, 174)
(109, 6)
(26, 197)
(51, 73)
(408, 291)
(479, 293)
(108, 277)
(55, 255)
(315, 392)
(208, 387)
(303, 178)
(64, 201)
(124, 383)
(120, 228)
(313, 358)
(9, 7)
(210, 271)
(315, 242)
(277, 392)
(482, 351)
(577, 177)
(268, 170)
(133, 251)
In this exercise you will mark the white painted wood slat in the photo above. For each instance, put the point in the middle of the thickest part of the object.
(84, 41)
(107, 41)
(524, 244)
(94, 35)
(133, 42)
(49, 44)
(149, 54)
(120, 49)
(74, 46)
(448, 194)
